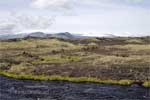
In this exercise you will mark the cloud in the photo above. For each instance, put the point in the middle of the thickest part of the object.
(135, 1)
(7, 27)
(65, 4)
(109, 12)
(69, 4)
(70, 7)
(20, 22)
(53, 4)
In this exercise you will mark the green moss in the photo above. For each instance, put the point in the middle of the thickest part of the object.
(65, 78)
(125, 82)
(146, 84)
(21, 68)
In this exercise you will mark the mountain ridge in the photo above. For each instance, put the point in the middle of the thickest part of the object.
(63, 35)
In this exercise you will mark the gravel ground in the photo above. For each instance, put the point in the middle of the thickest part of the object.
(13, 89)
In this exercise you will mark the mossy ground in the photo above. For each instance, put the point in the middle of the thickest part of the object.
(101, 60)
(71, 79)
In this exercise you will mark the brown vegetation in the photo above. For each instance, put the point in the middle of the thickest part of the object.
(101, 58)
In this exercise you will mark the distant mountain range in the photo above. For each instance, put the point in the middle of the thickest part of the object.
(64, 35)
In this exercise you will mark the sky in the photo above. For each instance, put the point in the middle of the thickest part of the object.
(87, 17)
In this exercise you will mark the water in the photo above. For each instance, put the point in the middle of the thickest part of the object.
(13, 89)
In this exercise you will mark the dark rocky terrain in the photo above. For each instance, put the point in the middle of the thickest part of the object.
(13, 89)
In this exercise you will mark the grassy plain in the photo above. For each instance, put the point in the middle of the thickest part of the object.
(102, 60)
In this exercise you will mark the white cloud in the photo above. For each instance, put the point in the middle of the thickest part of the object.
(68, 4)
(53, 4)
(20, 22)
(6, 27)
(96, 16)
(120, 22)
(64, 4)
(135, 1)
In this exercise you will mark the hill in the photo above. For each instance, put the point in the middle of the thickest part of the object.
(112, 59)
